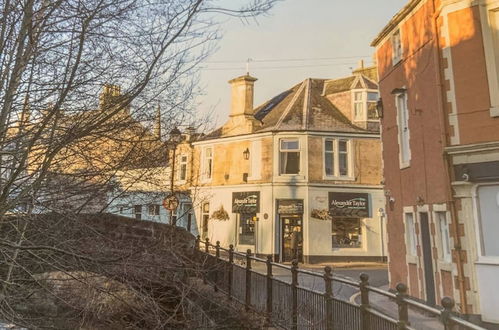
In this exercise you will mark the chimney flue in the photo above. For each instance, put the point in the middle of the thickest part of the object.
(242, 95)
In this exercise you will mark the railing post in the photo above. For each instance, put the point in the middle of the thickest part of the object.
(248, 279)
(231, 267)
(402, 306)
(269, 289)
(364, 301)
(328, 284)
(217, 256)
(448, 304)
(294, 290)
(206, 247)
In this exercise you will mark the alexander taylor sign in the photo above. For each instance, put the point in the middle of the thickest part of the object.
(246, 202)
(355, 205)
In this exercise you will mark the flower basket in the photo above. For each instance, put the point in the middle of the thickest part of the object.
(220, 214)
(321, 214)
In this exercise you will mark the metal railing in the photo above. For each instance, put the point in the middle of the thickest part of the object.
(292, 306)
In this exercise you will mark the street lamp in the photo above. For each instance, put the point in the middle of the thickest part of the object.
(175, 138)
(246, 154)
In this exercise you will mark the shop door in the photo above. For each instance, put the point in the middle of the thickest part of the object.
(427, 259)
(292, 226)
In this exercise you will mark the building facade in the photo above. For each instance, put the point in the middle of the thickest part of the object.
(438, 65)
(306, 161)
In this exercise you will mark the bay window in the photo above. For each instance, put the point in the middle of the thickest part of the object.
(364, 105)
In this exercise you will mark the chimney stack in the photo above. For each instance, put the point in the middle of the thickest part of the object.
(242, 95)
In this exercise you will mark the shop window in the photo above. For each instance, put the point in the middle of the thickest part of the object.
(289, 151)
(443, 228)
(182, 173)
(346, 233)
(153, 209)
(137, 211)
(247, 228)
(488, 203)
(410, 234)
(397, 47)
(337, 158)
(403, 129)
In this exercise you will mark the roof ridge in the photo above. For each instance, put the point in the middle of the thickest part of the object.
(306, 103)
(290, 105)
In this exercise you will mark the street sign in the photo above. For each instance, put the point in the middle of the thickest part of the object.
(170, 202)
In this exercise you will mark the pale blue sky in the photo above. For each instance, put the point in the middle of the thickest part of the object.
(295, 29)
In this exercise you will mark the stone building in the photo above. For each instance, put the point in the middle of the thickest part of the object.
(438, 69)
(307, 160)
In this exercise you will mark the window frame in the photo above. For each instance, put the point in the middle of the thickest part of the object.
(336, 159)
(397, 47)
(154, 213)
(491, 53)
(404, 146)
(298, 150)
(410, 235)
(137, 215)
(182, 166)
(207, 170)
(445, 253)
(364, 101)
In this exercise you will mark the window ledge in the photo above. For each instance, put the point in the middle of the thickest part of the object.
(338, 178)
(494, 111)
(411, 259)
(405, 165)
(445, 265)
(396, 60)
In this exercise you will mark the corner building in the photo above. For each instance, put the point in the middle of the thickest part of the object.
(308, 160)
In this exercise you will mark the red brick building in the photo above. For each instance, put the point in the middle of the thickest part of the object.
(438, 63)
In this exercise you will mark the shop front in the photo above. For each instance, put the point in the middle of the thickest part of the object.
(347, 210)
(290, 213)
(246, 205)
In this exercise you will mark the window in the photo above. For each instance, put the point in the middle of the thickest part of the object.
(153, 209)
(337, 158)
(247, 228)
(346, 233)
(397, 47)
(122, 209)
(410, 234)
(137, 211)
(289, 157)
(403, 129)
(358, 106)
(372, 102)
(182, 174)
(208, 163)
(443, 228)
(205, 214)
(488, 204)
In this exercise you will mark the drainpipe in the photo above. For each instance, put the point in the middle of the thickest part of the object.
(448, 167)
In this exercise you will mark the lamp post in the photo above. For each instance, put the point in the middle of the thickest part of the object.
(175, 137)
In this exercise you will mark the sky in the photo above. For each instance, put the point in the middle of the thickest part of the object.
(298, 39)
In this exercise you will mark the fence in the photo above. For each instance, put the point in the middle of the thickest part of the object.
(291, 306)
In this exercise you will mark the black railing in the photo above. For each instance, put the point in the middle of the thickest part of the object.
(292, 306)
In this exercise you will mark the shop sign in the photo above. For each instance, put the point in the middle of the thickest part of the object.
(290, 206)
(351, 205)
(246, 202)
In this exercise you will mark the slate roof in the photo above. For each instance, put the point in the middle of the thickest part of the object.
(305, 107)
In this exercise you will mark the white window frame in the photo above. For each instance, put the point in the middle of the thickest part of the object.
(443, 229)
(482, 258)
(397, 48)
(410, 234)
(491, 52)
(336, 159)
(155, 207)
(364, 102)
(300, 167)
(206, 166)
(181, 163)
(403, 131)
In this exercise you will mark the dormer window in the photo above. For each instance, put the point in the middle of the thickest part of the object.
(364, 105)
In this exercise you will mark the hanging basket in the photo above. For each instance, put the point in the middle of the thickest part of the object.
(322, 214)
(220, 214)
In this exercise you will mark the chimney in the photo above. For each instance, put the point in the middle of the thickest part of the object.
(242, 95)
(361, 65)
(109, 95)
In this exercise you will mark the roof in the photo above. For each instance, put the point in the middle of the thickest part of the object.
(394, 22)
(306, 107)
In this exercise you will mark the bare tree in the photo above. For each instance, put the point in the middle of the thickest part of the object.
(60, 149)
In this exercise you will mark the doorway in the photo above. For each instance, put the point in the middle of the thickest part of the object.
(427, 259)
(290, 224)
